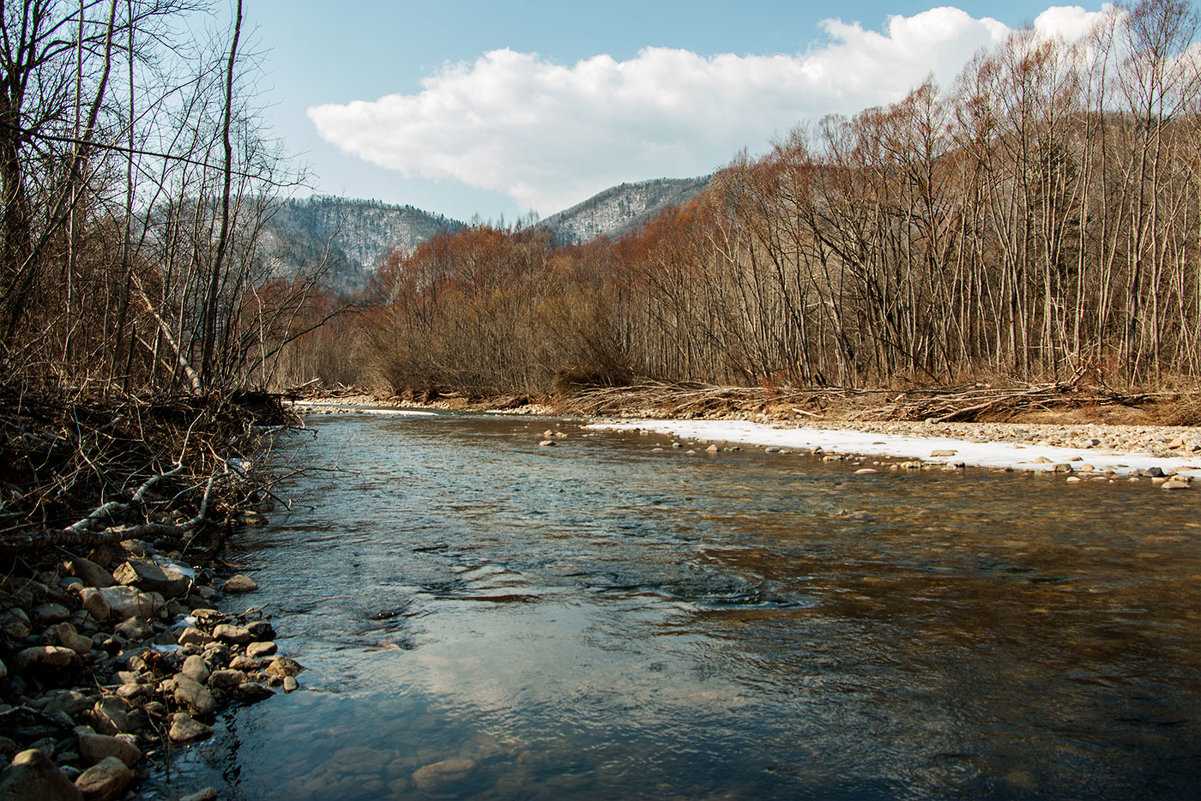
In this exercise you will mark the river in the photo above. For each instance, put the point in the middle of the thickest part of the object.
(485, 618)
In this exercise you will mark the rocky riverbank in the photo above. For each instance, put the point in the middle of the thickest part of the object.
(114, 660)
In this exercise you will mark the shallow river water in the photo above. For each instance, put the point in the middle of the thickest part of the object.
(485, 618)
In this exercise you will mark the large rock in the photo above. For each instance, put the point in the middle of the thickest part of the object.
(238, 635)
(90, 573)
(194, 696)
(257, 650)
(226, 679)
(153, 578)
(111, 716)
(98, 747)
(119, 602)
(104, 781)
(50, 613)
(239, 583)
(193, 636)
(33, 777)
(196, 668)
(186, 729)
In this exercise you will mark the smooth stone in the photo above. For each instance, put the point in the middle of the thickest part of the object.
(942, 452)
(238, 635)
(257, 650)
(134, 629)
(193, 636)
(33, 777)
(50, 613)
(429, 777)
(47, 658)
(239, 583)
(104, 781)
(547, 443)
(196, 668)
(97, 747)
(193, 695)
(66, 636)
(90, 573)
(240, 662)
(120, 602)
(865, 471)
(111, 716)
(291, 684)
(186, 729)
(1174, 484)
(152, 578)
(225, 679)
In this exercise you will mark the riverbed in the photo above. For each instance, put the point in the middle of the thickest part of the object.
(483, 616)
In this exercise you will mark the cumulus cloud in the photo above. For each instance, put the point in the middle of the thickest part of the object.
(550, 135)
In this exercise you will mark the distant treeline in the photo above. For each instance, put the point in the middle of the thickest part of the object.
(1041, 218)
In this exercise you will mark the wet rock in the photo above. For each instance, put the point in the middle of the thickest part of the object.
(712, 449)
(95, 748)
(1175, 483)
(865, 471)
(547, 443)
(50, 613)
(261, 630)
(239, 583)
(195, 668)
(1063, 467)
(244, 663)
(250, 693)
(90, 573)
(257, 650)
(104, 781)
(238, 635)
(225, 680)
(431, 776)
(153, 578)
(186, 729)
(283, 666)
(33, 777)
(291, 684)
(194, 696)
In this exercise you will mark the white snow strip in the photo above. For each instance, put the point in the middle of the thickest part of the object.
(364, 409)
(977, 454)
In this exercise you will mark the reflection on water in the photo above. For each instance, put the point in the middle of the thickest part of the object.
(485, 618)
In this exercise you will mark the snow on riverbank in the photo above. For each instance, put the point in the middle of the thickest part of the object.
(937, 450)
(333, 407)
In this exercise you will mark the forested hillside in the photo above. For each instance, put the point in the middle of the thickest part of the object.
(620, 209)
(1037, 219)
(346, 238)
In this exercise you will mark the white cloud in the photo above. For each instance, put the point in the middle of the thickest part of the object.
(550, 135)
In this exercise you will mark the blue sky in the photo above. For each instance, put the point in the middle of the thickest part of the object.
(545, 123)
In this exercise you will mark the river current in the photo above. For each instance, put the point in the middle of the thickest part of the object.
(485, 618)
